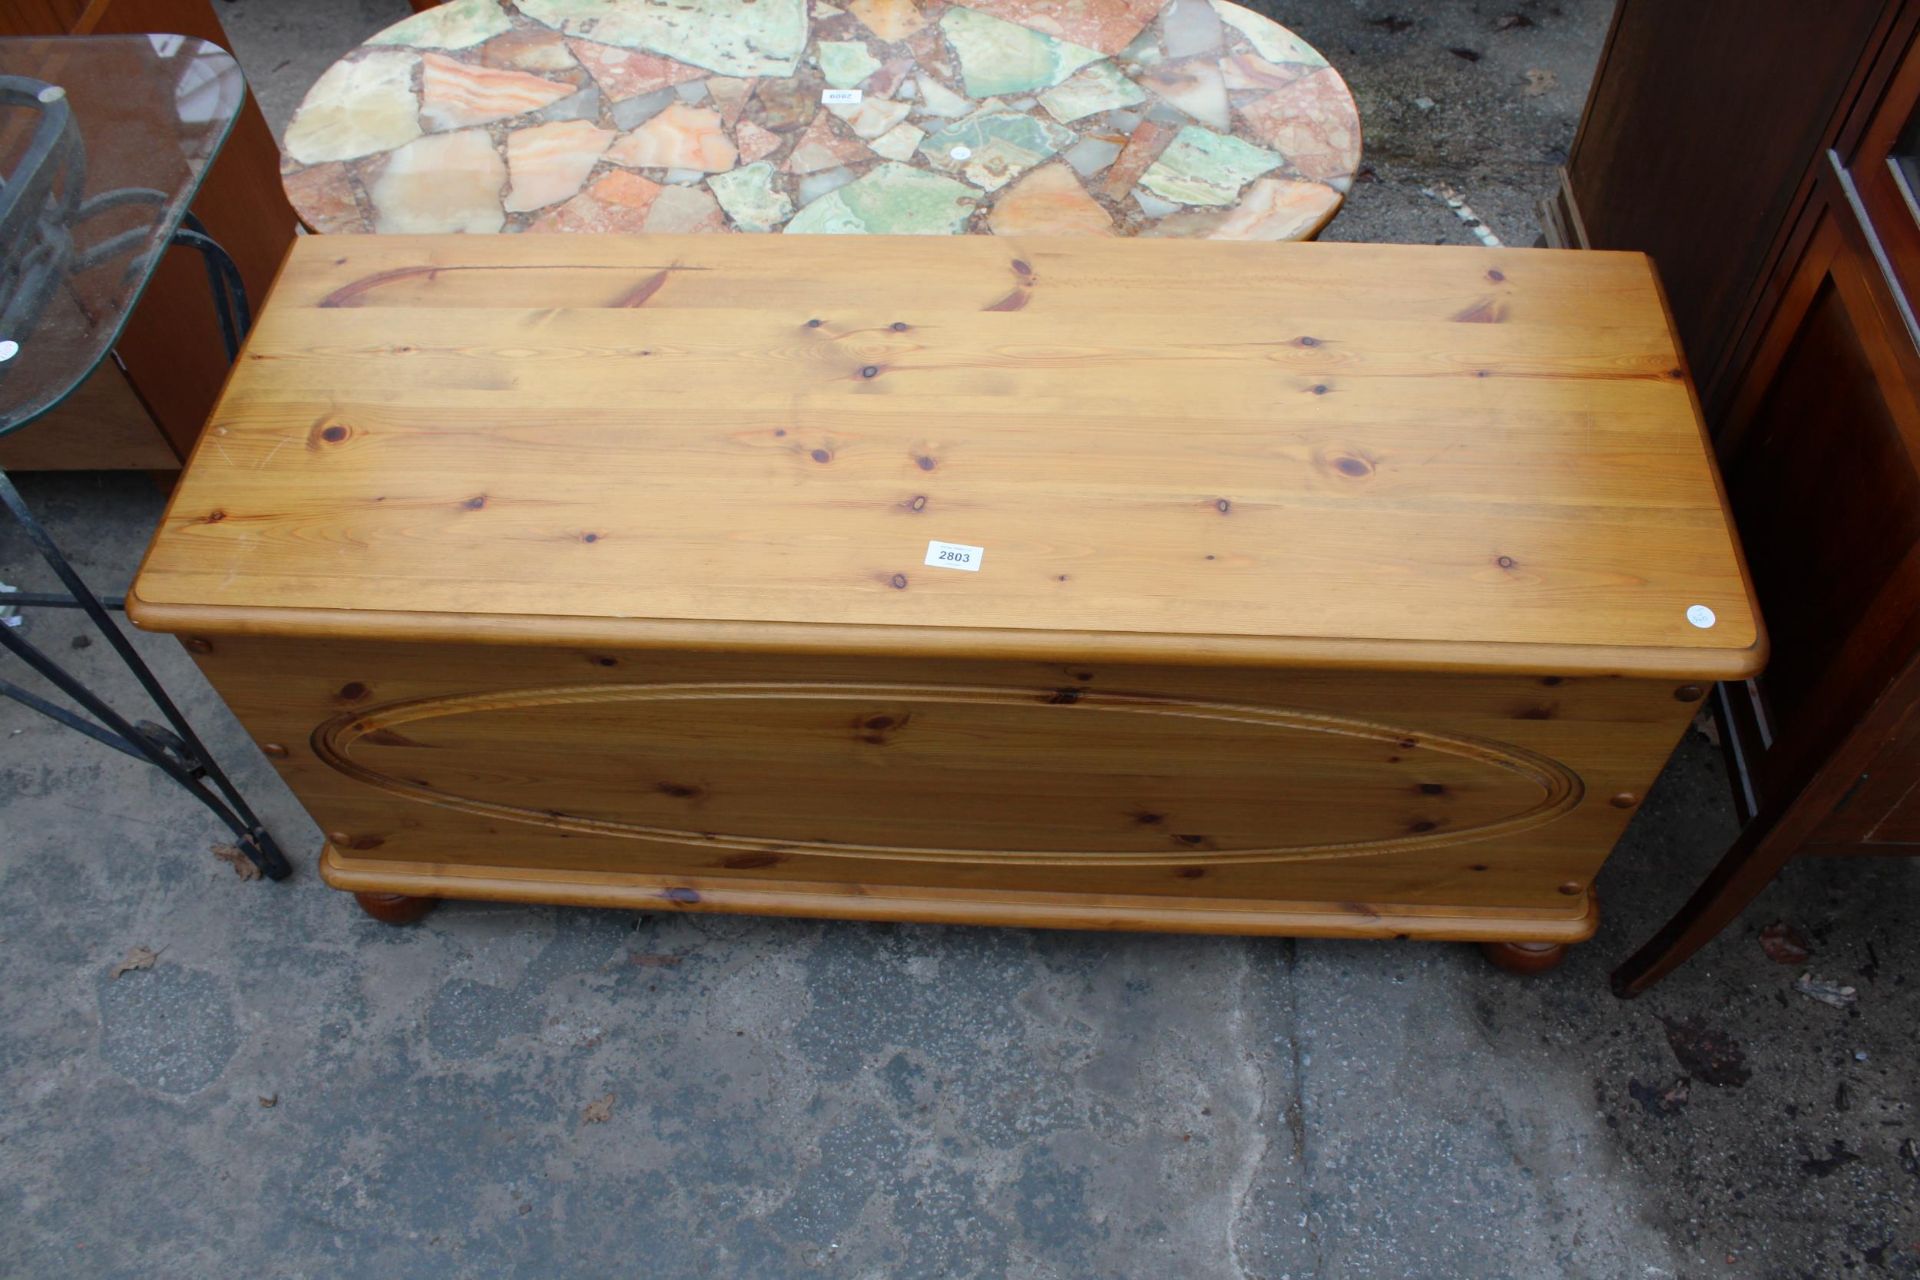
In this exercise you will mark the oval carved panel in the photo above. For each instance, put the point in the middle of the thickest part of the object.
(947, 774)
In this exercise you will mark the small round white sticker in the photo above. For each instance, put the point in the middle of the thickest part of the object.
(961, 153)
(1700, 616)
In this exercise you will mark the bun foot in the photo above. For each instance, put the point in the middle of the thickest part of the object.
(395, 908)
(1525, 957)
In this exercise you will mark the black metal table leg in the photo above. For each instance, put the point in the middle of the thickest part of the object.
(184, 758)
(49, 240)
(223, 281)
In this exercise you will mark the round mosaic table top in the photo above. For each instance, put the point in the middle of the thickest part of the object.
(886, 117)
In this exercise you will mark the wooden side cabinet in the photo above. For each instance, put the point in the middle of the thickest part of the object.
(144, 407)
(1815, 409)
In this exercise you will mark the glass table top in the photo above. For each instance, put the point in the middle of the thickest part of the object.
(103, 142)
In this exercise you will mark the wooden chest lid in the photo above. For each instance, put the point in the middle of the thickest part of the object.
(1291, 454)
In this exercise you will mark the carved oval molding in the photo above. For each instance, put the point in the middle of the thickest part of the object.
(1551, 788)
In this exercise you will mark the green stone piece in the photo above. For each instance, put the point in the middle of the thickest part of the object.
(1004, 57)
(460, 24)
(994, 145)
(765, 38)
(893, 200)
(1099, 87)
(899, 142)
(938, 100)
(845, 63)
(1269, 39)
(1203, 167)
(1145, 49)
(749, 197)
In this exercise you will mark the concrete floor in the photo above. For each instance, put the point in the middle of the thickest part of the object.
(292, 1090)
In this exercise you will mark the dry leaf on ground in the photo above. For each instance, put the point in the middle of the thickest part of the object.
(136, 958)
(242, 865)
(1708, 1054)
(1539, 82)
(1658, 1101)
(599, 1111)
(1784, 944)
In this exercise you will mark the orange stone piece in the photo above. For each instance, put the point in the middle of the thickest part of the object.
(616, 204)
(628, 73)
(1049, 202)
(454, 94)
(681, 137)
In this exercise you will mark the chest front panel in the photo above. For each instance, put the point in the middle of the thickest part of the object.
(1372, 789)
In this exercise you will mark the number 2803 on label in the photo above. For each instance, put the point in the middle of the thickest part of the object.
(954, 555)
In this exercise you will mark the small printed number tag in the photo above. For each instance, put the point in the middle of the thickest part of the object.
(840, 97)
(954, 555)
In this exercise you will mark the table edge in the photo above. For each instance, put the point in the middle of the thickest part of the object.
(11, 424)
(954, 643)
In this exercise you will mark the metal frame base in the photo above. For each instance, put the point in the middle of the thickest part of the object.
(174, 748)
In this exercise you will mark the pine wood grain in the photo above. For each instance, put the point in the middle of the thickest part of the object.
(1033, 910)
(1327, 589)
(1087, 795)
(1312, 455)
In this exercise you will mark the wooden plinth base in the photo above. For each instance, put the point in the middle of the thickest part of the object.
(409, 881)
(395, 908)
(1525, 957)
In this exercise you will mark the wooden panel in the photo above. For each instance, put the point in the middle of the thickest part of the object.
(1347, 796)
(796, 769)
(1898, 826)
(1473, 451)
(40, 17)
(1696, 140)
(1880, 810)
(1819, 427)
(1825, 482)
(1827, 496)
(1886, 169)
(1560, 223)
(102, 426)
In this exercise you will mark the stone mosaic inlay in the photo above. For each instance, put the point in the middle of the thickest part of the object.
(876, 117)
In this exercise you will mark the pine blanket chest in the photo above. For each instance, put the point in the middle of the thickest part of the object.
(1305, 589)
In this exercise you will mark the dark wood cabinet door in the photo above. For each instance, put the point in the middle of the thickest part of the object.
(1878, 809)
(1814, 394)
(1704, 120)
(1822, 462)
(1883, 173)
